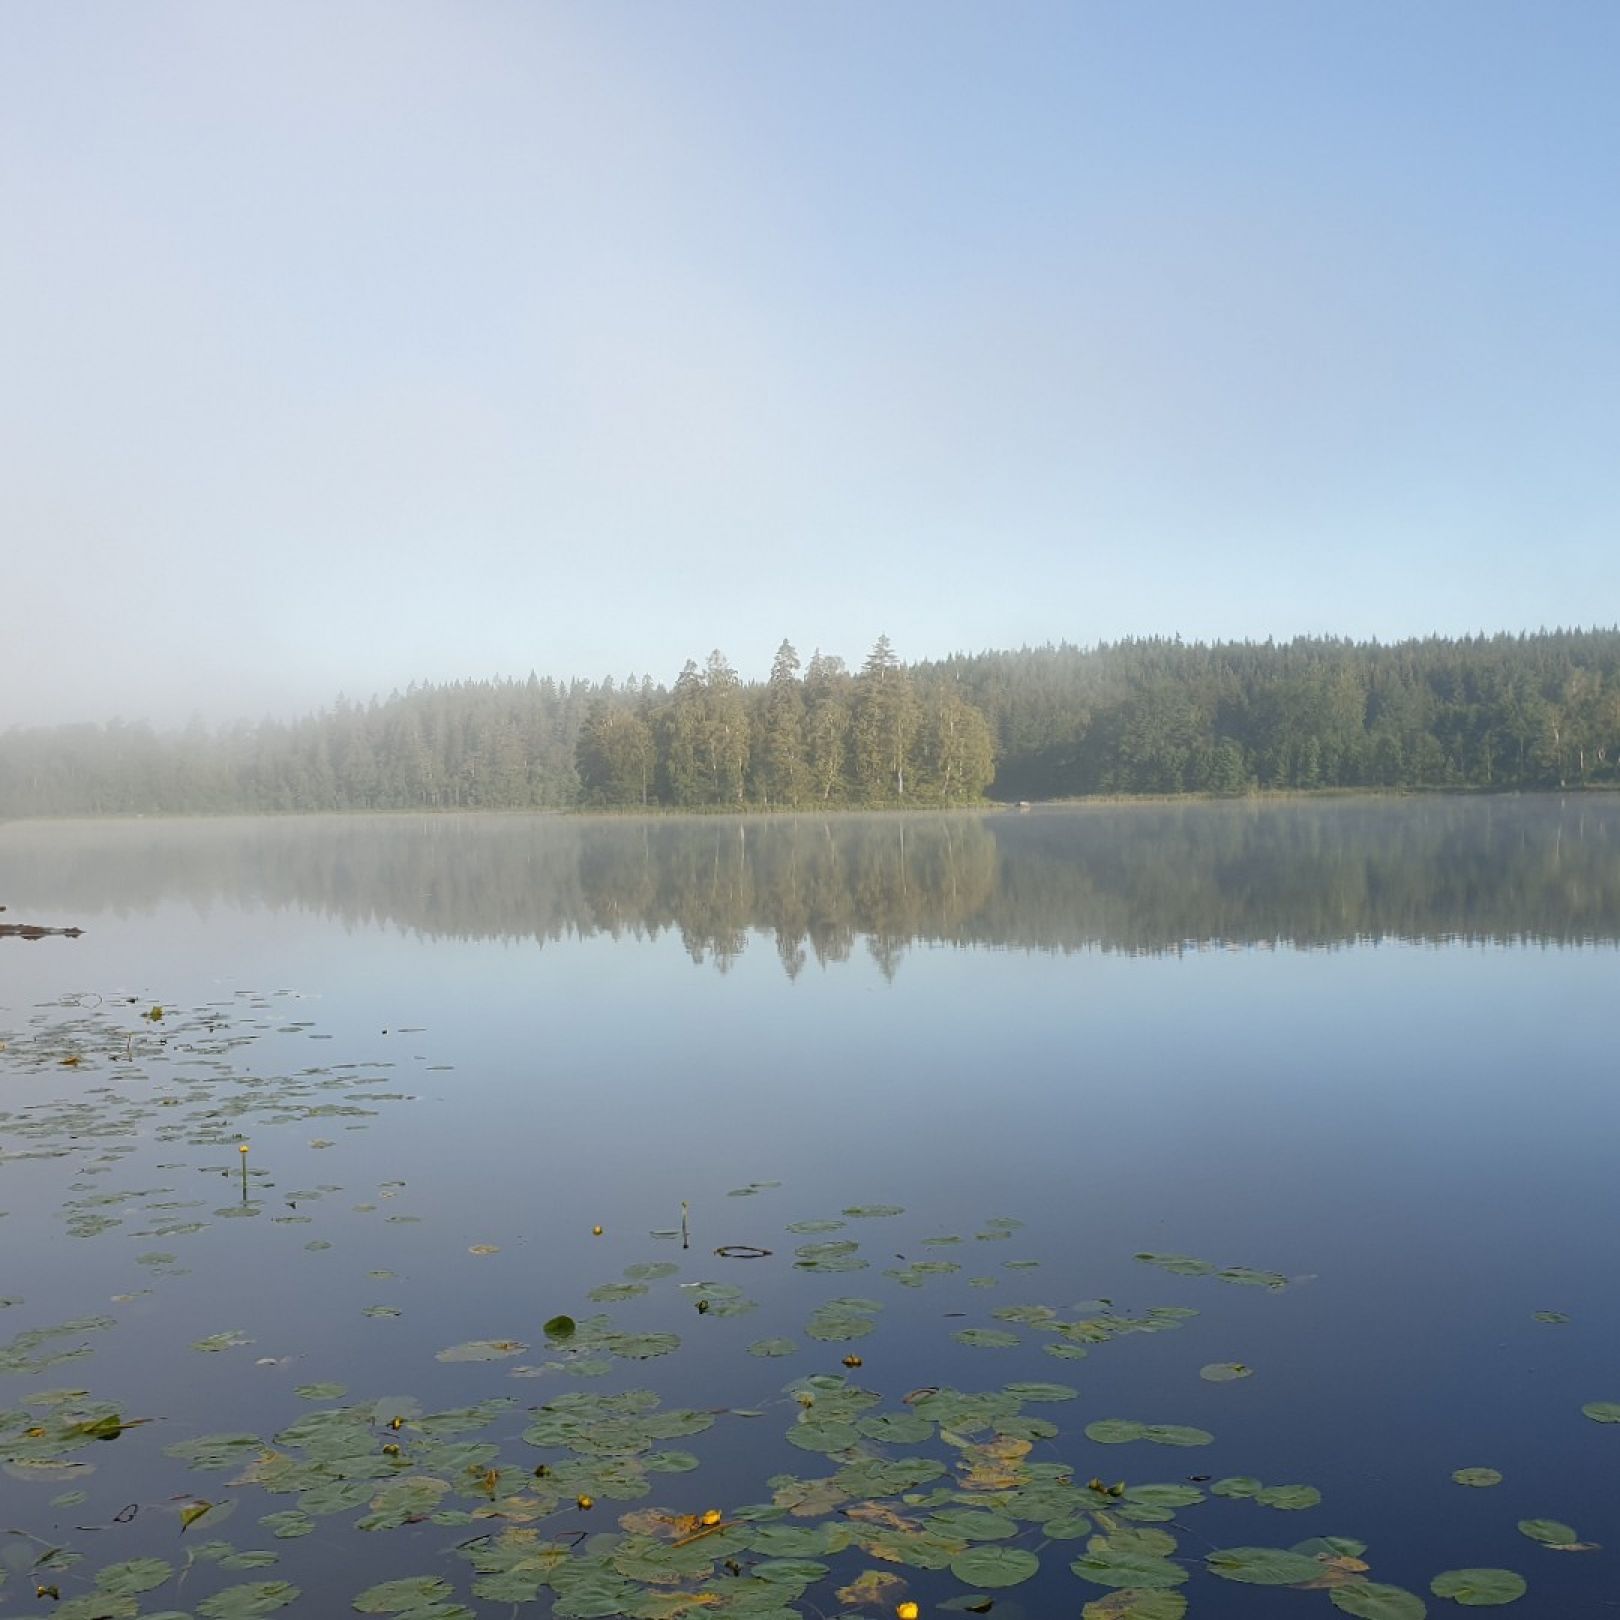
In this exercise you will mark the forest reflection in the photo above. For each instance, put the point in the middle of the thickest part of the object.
(1132, 878)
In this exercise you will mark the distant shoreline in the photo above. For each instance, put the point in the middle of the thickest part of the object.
(670, 812)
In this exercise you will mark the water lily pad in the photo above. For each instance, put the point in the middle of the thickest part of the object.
(321, 1392)
(772, 1347)
(1137, 1603)
(1372, 1600)
(1549, 1532)
(560, 1327)
(1263, 1566)
(1602, 1411)
(986, 1338)
(1479, 1478)
(406, 1596)
(1479, 1588)
(993, 1566)
(1115, 1431)
(616, 1293)
(249, 1600)
(1291, 1498)
(873, 1211)
(1127, 1567)
(972, 1524)
(136, 1576)
(98, 1606)
(228, 1340)
(641, 1346)
(288, 1526)
(482, 1350)
(1552, 1318)
(835, 1323)
(1183, 1265)
(1225, 1372)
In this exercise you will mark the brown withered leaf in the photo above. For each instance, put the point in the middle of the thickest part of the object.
(874, 1586)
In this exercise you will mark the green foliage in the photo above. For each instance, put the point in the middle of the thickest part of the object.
(1149, 716)
(1479, 1588)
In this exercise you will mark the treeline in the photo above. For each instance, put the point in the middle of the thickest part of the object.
(1160, 716)
(1136, 717)
(828, 738)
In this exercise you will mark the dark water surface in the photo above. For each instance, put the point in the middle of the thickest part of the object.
(1367, 1050)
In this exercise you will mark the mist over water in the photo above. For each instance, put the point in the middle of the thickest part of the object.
(1132, 878)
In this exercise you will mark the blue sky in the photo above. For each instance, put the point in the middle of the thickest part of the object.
(351, 343)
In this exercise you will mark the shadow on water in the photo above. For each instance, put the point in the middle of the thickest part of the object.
(1134, 879)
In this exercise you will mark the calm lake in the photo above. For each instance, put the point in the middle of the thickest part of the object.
(1260, 1159)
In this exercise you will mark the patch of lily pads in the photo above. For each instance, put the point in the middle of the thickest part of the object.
(593, 1500)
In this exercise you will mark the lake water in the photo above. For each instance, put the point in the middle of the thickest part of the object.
(1359, 1056)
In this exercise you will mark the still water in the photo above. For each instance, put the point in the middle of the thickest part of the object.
(1359, 1056)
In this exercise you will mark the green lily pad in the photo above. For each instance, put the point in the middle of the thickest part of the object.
(1037, 1391)
(288, 1526)
(249, 1600)
(823, 1434)
(1372, 1600)
(321, 1392)
(1479, 1478)
(835, 1323)
(873, 1211)
(1121, 1431)
(98, 1606)
(1137, 1603)
(228, 1340)
(1225, 1372)
(559, 1327)
(1479, 1588)
(1602, 1411)
(986, 1338)
(993, 1567)
(1115, 1431)
(1263, 1566)
(1178, 1434)
(772, 1347)
(1549, 1532)
(1289, 1497)
(413, 1593)
(1552, 1318)
(1183, 1265)
(1128, 1568)
(972, 1524)
(482, 1350)
(136, 1576)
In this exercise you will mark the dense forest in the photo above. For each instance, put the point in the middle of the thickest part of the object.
(1135, 717)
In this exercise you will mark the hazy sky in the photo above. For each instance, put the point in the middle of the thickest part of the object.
(343, 344)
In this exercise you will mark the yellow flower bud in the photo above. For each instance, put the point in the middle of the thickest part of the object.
(712, 1516)
(907, 1611)
(586, 1503)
